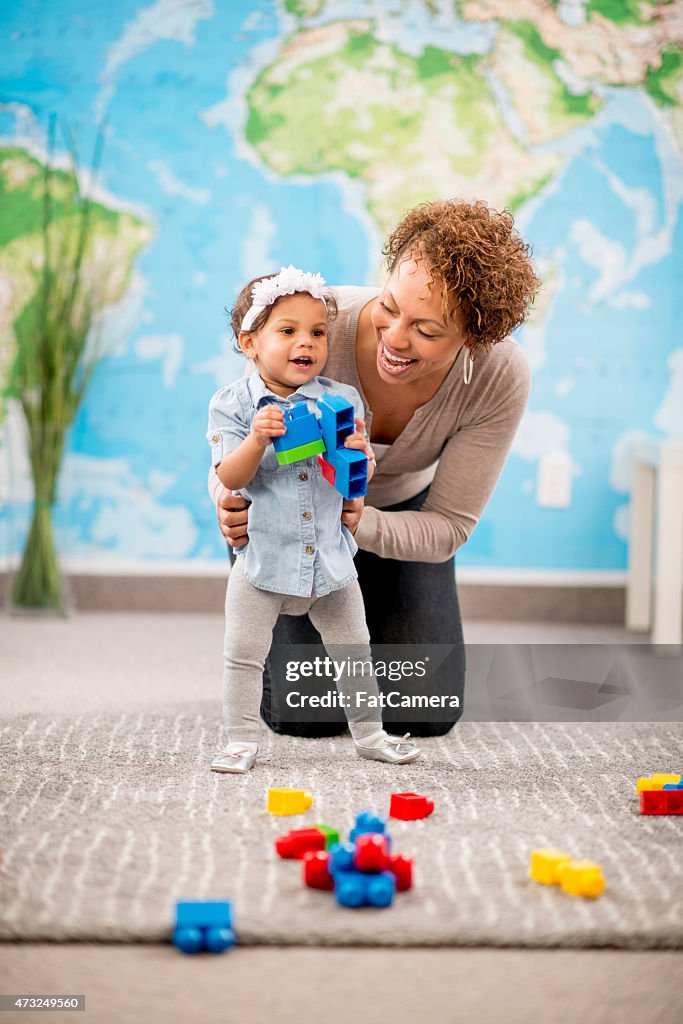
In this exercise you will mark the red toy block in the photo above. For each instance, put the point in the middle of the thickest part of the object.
(661, 801)
(372, 853)
(410, 806)
(298, 841)
(316, 870)
(401, 865)
(329, 472)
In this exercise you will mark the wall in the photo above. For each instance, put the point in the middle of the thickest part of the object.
(244, 136)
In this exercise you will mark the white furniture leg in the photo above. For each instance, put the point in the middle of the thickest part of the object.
(639, 585)
(668, 619)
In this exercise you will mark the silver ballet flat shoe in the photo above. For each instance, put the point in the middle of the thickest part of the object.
(392, 750)
(237, 761)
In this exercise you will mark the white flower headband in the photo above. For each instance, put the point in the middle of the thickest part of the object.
(289, 281)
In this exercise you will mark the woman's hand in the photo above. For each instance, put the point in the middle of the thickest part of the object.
(233, 517)
(352, 510)
(359, 440)
(269, 422)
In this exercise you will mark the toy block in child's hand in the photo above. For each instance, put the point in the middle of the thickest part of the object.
(345, 468)
(410, 806)
(289, 801)
(328, 469)
(303, 439)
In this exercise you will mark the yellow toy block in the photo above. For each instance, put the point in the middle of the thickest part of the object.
(581, 878)
(657, 781)
(289, 801)
(545, 864)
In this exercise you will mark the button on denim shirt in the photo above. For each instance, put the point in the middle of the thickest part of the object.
(297, 543)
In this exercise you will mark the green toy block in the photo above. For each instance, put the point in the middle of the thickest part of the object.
(331, 834)
(304, 451)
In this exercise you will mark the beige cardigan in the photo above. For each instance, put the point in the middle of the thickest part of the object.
(462, 436)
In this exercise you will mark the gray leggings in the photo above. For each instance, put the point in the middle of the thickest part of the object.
(250, 616)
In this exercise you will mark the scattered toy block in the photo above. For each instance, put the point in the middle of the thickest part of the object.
(341, 857)
(544, 865)
(656, 781)
(410, 806)
(331, 834)
(289, 801)
(581, 878)
(203, 925)
(316, 870)
(664, 801)
(294, 844)
(367, 822)
(356, 889)
(401, 867)
(372, 853)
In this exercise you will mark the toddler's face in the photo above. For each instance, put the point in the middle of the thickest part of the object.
(291, 347)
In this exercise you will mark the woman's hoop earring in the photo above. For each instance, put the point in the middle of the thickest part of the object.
(468, 366)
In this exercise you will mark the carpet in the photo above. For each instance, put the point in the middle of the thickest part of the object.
(108, 819)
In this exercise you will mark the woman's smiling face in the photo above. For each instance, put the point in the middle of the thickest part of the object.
(413, 340)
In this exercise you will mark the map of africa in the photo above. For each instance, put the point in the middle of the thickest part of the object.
(240, 137)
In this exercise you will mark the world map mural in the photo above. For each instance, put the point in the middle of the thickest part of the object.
(241, 137)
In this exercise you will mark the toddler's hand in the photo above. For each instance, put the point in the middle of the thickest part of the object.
(269, 422)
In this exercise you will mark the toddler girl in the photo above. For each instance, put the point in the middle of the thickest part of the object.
(299, 557)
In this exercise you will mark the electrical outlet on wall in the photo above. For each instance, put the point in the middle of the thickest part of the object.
(554, 480)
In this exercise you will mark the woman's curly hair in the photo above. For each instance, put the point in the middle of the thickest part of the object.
(243, 303)
(484, 265)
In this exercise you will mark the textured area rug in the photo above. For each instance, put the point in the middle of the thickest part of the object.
(106, 821)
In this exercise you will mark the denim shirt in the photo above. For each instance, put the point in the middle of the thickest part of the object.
(297, 543)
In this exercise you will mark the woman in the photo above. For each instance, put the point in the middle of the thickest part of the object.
(445, 388)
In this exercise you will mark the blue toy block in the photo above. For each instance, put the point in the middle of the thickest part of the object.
(356, 889)
(673, 785)
(367, 822)
(303, 427)
(351, 472)
(205, 924)
(336, 420)
(341, 857)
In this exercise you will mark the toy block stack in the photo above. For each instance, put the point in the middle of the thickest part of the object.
(661, 793)
(362, 872)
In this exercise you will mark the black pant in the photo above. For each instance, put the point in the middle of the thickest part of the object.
(406, 603)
